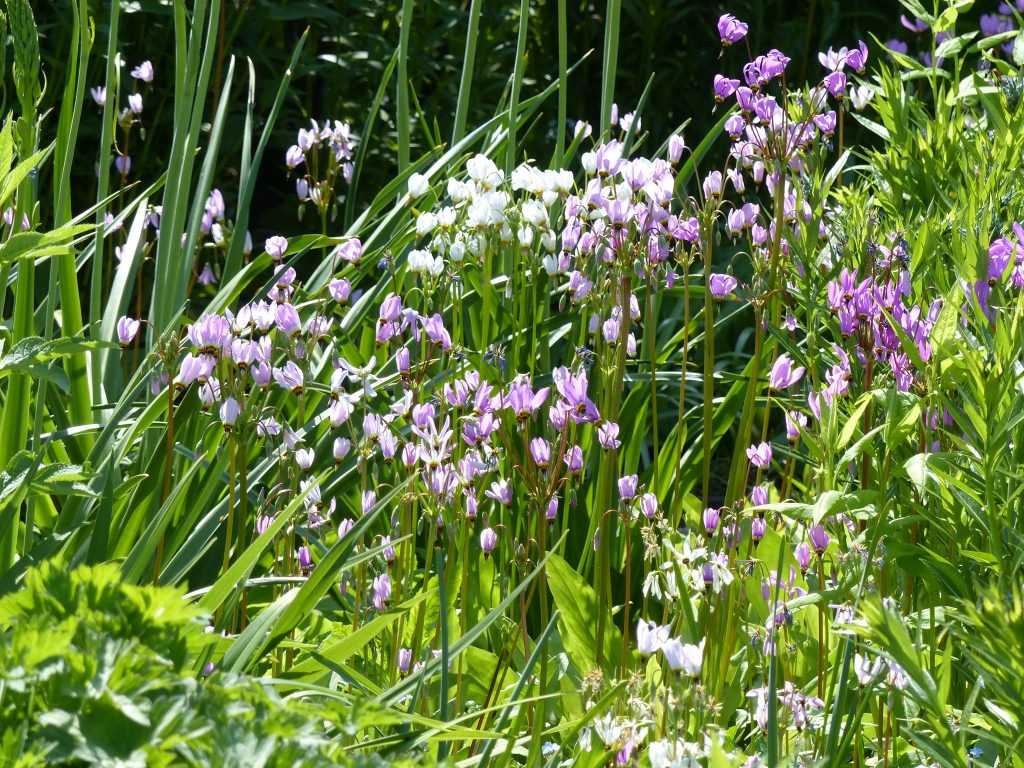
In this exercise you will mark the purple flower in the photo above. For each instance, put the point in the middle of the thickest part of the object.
(758, 495)
(735, 126)
(721, 285)
(402, 360)
(784, 375)
(745, 99)
(574, 459)
(819, 538)
(684, 657)
(194, 368)
(915, 25)
(368, 500)
(229, 412)
(552, 511)
(294, 157)
(760, 455)
(896, 45)
(135, 103)
(649, 505)
(858, 57)
(287, 320)
(340, 290)
(434, 328)
(758, 528)
(500, 491)
(127, 329)
(573, 389)
(627, 486)
(730, 29)
(540, 451)
(350, 251)
(206, 276)
(404, 660)
(290, 377)
(608, 435)
(676, 145)
(835, 84)
(488, 540)
(305, 559)
(99, 95)
(826, 123)
(711, 519)
(803, 555)
(381, 591)
(521, 398)
(724, 87)
(712, 185)
(123, 163)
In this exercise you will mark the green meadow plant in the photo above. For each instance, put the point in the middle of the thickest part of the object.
(649, 451)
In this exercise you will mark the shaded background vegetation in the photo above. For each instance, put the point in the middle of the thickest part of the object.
(351, 43)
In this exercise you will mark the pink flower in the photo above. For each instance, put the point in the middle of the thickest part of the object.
(721, 286)
(290, 377)
(784, 375)
(127, 330)
(488, 540)
(760, 455)
(276, 247)
(608, 435)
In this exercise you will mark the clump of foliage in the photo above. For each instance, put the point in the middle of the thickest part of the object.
(97, 671)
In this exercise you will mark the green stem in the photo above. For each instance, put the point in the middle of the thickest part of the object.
(403, 84)
(709, 363)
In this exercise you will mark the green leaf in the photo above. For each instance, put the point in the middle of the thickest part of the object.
(578, 608)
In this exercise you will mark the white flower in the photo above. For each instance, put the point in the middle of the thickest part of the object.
(535, 213)
(866, 671)
(457, 250)
(860, 95)
(650, 637)
(686, 657)
(549, 240)
(527, 177)
(458, 191)
(425, 223)
(446, 217)
(589, 162)
(674, 754)
(833, 60)
(304, 457)
(484, 172)
(420, 260)
(525, 236)
(363, 374)
(476, 245)
(418, 185)
(608, 730)
(582, 128)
